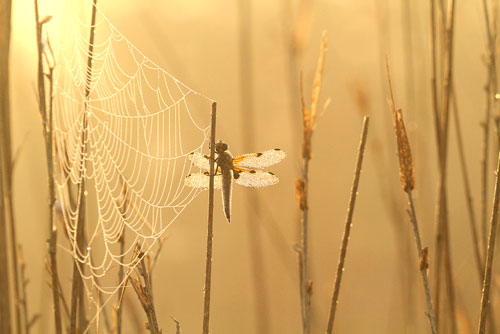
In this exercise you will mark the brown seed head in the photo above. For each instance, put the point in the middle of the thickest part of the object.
(424, 259)
(300, 194)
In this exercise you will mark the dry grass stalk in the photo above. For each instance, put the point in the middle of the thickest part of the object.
(485, 297)
(407, 174)
(348, 225)
(468, 193)
(443, 254)
(262, 312)
(77, 296)
(5, 321)
(117, 310)
(28, 321)
(210, 232)
(144, 290)
(45, 53)
(6, 153)
(177, 325)
(309, 124)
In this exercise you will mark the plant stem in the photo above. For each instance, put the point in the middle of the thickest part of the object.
(6, 152)
(5, 321)
(348, 225)
(254, 233)
(423, 266)
(485, 297)
(468, 193)
(305, 291)
(77, 289)
(210, 233)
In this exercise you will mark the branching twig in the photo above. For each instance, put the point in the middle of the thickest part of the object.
(45, 51)
(144, 291)
(348, 224)
(301, 185)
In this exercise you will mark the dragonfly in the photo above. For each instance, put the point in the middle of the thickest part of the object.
(245, 170)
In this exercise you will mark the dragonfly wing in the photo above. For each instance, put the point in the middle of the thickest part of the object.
(255, 178)
(261, 159)
(202, 180)
(200, 160)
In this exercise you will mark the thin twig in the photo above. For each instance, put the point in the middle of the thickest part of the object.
(302, 184)
(262, 313)
(468, 193)
(442, 234)
(77, 290)
(49, 149)
(424, 264)
(144, 291)
(348, 224)
(28, 321)
(5, 321)
(6, 154)
(210, 233)
(407, 175)
(485, 147)
(485, 297)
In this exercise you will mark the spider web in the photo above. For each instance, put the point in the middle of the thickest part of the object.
(125, 146)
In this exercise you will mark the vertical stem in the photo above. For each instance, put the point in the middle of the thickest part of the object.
(5, 150)
(210, 233)
(77, 290)
(52, 199)
(258, 278)
(305, 292)
(423, 265)
(5, 325)
(485, 297)
(468, 192)
(348, 224)
(118, 306)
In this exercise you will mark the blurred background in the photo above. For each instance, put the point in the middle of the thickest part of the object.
(248, 56)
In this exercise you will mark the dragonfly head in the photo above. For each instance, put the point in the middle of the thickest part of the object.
(220, 147)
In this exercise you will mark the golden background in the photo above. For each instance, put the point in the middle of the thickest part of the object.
(255, 275)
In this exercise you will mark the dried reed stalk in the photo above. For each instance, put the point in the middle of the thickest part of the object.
(348, 224)
(5, 321)
(28, 321)
(210, 232)
(46, 112)
(443, 253)
(468, 193)
(6, 153)
(485, 297)
(77, 301)
(144, 290)
(402, 238)
(254, 232)
(407, 175)
(309, 124)
(117, 309)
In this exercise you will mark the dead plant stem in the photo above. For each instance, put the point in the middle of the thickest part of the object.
(468, 193)
(77, 289)
(423, 265)
(210, 232)
(348, 225)
(485, 297)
